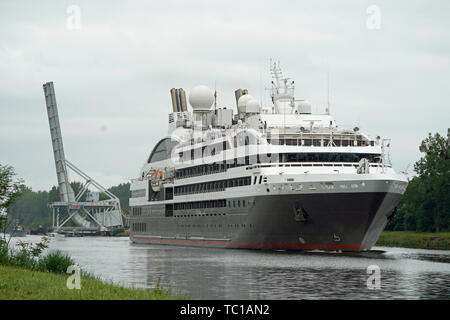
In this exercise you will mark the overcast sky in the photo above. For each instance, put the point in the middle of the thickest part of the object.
(112, 75)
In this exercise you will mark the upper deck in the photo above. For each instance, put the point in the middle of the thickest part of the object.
(287, 131)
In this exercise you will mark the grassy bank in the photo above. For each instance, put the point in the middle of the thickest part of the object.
(418, 240)
(19, 283)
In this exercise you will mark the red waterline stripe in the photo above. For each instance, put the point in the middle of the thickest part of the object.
(251, 244)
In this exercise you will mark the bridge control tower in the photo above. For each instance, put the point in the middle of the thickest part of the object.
(87, 216)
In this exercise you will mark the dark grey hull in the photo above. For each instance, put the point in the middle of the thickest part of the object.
(327, 221)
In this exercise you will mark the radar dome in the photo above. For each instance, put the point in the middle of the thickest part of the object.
(201, 98)
(252, 106)
(242, 102)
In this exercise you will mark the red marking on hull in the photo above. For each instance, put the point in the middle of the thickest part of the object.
(291, 245)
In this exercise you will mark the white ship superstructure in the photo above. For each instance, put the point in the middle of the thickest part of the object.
(266, 177)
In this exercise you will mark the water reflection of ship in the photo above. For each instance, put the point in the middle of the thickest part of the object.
(227, 274)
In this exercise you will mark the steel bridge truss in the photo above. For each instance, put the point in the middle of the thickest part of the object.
(102, 214)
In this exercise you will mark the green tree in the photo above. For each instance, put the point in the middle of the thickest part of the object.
(76, 187)
(10, 190)
(53, 194)
(31, 209)
(425, 206)
(434, 171)
(122, 191)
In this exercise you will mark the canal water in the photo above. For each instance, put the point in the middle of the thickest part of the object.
(204, 273)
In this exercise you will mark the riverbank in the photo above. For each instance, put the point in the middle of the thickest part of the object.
(18, 284)
(417, 240)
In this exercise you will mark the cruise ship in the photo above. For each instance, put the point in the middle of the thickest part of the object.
(267, 177)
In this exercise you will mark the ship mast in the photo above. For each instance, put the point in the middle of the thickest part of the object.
(282, 90)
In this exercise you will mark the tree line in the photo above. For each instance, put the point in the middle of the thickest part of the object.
(31, 208)
(425, 206)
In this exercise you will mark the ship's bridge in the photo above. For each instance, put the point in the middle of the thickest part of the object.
(306, 121)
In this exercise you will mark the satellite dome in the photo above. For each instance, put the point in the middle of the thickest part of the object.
(201, 98)
(242, 102)
(252, 106)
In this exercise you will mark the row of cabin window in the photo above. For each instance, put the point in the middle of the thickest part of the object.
(216, 148)
(212, 186)
(236, 225)
(204, 151)
(269, 158)
(200, 205)
(203, 214)
(236, 204)
(139, 227)
(242, 139)
(218, 167)
(318, 142)
(137, 211)
(328, 157)
(200, 170)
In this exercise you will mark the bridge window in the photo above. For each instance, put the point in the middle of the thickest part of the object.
(162, 150)
(328, 157)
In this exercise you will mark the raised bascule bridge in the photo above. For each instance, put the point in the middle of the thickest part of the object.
(90, 216)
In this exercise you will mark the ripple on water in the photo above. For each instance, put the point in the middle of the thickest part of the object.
(206, 273)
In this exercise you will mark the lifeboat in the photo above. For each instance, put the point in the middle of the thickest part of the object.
(156, 180)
